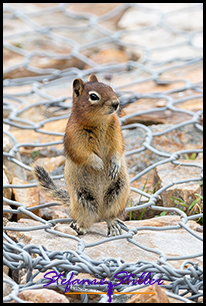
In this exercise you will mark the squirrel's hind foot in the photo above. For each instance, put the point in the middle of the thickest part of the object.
(79, 230)
(114, 227)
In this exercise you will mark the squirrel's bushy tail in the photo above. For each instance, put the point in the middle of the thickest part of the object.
(48, 185)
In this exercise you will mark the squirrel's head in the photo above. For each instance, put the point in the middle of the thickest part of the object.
(93, 97)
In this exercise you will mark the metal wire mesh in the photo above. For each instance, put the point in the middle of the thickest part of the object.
(152, 66)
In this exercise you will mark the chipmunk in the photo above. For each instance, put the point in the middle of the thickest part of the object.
(95, 170)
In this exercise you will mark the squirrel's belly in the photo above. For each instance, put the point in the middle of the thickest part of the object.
(98, 181)
(77, 175)
(110, 196)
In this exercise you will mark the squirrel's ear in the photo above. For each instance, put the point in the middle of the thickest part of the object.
(78, 86)
(93, 78)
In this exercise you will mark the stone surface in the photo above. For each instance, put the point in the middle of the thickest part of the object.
(136, 18)
(73, 298)
(30, 136)
(45, 44)
(7, 141)
(142, 17)
(64, 228)
(162, 117)
(6, 287)
(6, 269)
(7, 215)
(54, 211)
(7, 194)
(172, 243)
(27, 196)
(159, 295)
(12, 169)
(182, 139)
(42, 296)
(164, 175)
(6, 191)
(109, 56)
(5, 220)
(51, 163)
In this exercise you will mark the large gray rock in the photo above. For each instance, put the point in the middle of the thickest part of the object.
(180, 195)
(171, 242)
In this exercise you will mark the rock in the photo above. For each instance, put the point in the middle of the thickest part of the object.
(38, 43)
(163, 117)
(178, 242)
(7, 215)
(7, 194)
(42, 296)
(36, 278)
(40, 235)
(53, 212)
(6, 269)
(37, 113)
(164, 175)
(64, 228)
(109, 56)
(142, 17)
(27, 196)
(31, 136)
(96, 9)
(12, 168)
(12, 59)
(172, 243)
(6, 191)
(183, 138)
(157, 295)
(134, 18)
(51, 163)
(143, 213)
(7, 141)
(7, 144)
(199, 229)
(73, 298)
(5, 220)
(7, 288)
(180, 21)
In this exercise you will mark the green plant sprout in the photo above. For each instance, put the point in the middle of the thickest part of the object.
(192, 208)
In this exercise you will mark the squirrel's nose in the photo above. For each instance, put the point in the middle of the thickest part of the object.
(115, 104)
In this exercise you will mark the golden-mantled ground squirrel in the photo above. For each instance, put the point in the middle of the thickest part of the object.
(95, 169)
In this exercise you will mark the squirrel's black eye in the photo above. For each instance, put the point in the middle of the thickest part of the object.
(93, 97)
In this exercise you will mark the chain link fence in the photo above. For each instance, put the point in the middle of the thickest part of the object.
(53, 45)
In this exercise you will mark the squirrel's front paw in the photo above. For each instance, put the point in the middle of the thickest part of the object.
(115, 168)
(96, 162)
(98, 165)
